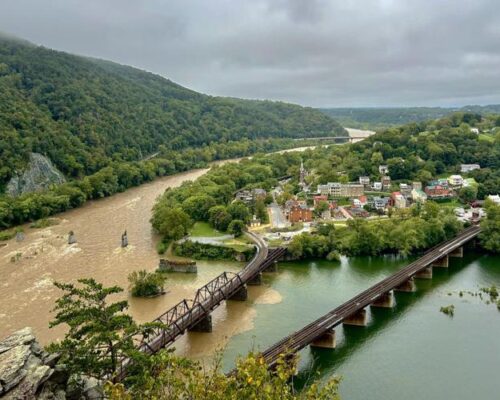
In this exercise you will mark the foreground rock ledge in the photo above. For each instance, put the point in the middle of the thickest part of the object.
(29, 372)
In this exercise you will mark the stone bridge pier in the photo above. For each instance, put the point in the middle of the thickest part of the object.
(442, 262)
(384, 301)
(205, 325)
(325, 341)
(241, 294)
(357, 319)
(426, 273)
(407, 286)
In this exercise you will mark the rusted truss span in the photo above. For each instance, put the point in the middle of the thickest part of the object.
(187, 314)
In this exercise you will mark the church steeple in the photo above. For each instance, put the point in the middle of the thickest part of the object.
(302, 174)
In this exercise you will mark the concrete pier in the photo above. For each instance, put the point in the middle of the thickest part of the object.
(424, 274)
(177, 266)
(205, 325)
(71, 237)
(124, 239)
(326, 341)
(256, 281)
(272, 268)
(240, 295)
(441, 262)
(357, 319)
(457, 253)
(407, 286)
(384, 301)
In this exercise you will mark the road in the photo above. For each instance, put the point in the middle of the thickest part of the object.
(278, 219)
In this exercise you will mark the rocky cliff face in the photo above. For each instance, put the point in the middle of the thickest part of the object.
(28, 372)
(39, 175)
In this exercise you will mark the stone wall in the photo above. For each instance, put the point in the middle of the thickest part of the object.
(177, 266)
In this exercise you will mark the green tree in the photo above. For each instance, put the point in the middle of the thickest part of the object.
(197, 206)
(468, 194)
(490, 228)
(239, 210)
(219, 218)
(236, 227)
(146, 284)
(172, 223)
(99, 331)
(172, 377)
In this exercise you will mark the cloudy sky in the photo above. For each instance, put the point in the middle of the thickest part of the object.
(312, 52)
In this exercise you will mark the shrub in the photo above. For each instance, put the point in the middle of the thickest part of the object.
(146, 284)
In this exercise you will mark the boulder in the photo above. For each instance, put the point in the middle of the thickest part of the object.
(12, 364)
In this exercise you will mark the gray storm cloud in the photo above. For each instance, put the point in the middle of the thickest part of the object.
(312, 52)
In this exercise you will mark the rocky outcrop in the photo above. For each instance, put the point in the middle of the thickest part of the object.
(23, 367)
(39, 175)
(28, 372)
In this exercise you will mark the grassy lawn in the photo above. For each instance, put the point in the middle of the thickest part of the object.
(203, 229)
(453, 203)
(239, 244)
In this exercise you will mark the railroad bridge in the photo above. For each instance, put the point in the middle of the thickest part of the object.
(321, 332)
(194, 315)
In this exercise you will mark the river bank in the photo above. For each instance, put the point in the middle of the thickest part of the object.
(30, 267)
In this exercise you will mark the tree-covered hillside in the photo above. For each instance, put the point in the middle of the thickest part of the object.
(84, 113)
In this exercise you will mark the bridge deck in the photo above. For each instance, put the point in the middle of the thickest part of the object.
(188, 313)
(300, 339)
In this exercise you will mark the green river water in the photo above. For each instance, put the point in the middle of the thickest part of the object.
(410, 352)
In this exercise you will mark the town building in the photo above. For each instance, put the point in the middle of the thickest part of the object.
(418, 196)
(438, 192)
(495, 198)
(386, 182)
(319, 198)
(302, 177)
(364, 180)
(247, 196)
(475, 130)
(383, 169)
(439, 182)
(336, 189)
(416, 185)
(455, 180)
(464, 168)
(377, 186)
(380, 203)
(398, 200)
(255, 222)
(296, 211)
(405, 189)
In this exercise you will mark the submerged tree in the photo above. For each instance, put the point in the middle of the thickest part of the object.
(146, 284)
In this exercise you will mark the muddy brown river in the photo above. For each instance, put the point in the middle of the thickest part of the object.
(29, 268)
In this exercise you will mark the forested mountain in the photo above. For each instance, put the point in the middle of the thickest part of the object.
(374, 118)
(85, 113)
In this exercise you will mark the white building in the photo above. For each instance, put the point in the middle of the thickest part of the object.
(475, 130)
(495, 198)
(377, 186)
(383, 169)
(364, 180)
(464, 168)
(456, 180)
